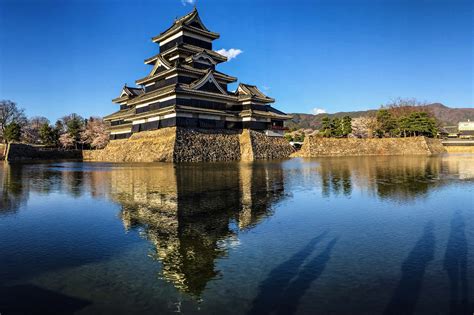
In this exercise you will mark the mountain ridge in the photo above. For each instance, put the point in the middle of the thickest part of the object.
(448, 116)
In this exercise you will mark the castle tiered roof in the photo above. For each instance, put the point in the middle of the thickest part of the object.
(184, 85)
(190, 22)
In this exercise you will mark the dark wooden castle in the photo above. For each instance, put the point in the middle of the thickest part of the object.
(184, 89)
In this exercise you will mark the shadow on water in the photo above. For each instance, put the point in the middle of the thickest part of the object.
(413, 269)
(31, 299)
(310, 272)
(287, 283)
(455, 264)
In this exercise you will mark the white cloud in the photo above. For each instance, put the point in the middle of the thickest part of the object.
(266, 88)
(231, 53)
(186, 2)
(317, 111)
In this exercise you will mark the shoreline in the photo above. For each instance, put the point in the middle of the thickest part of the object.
(312, 147)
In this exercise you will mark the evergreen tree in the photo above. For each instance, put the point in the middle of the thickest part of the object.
(10, 113)
(59, 127)
(336, 127)
(346, 126)
(386, 123)
(74, 125)
(326, 127)
(12, 132)
(422, 124)
(48, 135)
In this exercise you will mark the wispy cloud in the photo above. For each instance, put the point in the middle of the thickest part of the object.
(317, 111)
(186, 2)
(265, 88)
(230, 53)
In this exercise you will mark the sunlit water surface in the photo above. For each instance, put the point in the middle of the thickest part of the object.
(365, 235)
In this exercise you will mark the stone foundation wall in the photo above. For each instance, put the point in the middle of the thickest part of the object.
(266, 148)
(176, 144)
(317, 146)
(148, 146)
(198, 145)
(17, 152)
(435, 145)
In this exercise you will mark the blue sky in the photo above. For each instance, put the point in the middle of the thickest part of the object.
(58, 57)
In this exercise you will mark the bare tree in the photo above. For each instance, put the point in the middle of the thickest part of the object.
(400, 107)
(364, 127)
(10, 113)
(31, 132)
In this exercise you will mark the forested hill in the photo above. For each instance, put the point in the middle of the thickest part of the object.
(446, 115)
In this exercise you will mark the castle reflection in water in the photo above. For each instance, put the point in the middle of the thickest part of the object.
(192, 213)
(188, 212)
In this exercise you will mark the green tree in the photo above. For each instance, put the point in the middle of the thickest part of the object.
(346, 126)
(403, 127)
(73, 125)
(10, 113)
(12, 132)
(48, 135)
(386, 123)
(417, 124)
(59, 126)
(422, 124)
(326, 127)
(336, 127)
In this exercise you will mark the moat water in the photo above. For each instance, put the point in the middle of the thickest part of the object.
(374, 235)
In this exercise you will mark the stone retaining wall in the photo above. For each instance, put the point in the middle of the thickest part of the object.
(17, 152)
(266, 148)
(318, 146)
(148, 146)
(198, 145)
(192, 145)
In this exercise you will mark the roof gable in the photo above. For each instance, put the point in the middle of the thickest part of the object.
(130, 92)
(207, 79)
(202, 57)
(191, 22)
(251, 91)
(160, 63)
(194, 20)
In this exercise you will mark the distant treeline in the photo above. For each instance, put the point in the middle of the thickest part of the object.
(401, 118)
(445, 115)
(69, 132)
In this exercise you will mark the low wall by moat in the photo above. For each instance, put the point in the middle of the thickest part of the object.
(18, 152)
(317, 146)
(459, 149)
(176, 144)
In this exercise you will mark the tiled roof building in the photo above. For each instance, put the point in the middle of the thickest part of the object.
(184, 89)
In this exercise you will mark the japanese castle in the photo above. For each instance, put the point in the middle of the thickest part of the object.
(184, 89)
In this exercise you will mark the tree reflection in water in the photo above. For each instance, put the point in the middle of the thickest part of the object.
(394, 178)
